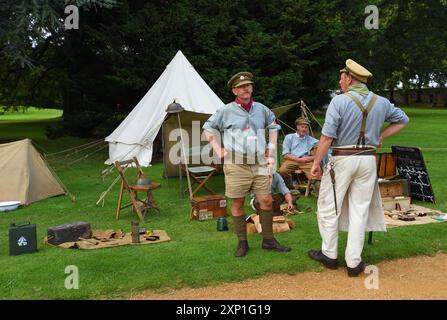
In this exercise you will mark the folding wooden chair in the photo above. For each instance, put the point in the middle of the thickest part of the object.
(200, 176)
(304, 183)
(141, 206)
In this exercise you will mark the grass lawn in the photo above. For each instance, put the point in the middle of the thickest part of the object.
(197, 255)
(31, 114)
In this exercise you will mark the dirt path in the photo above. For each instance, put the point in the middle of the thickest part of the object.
(413, 278)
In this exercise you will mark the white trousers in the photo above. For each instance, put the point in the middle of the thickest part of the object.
(355, 178)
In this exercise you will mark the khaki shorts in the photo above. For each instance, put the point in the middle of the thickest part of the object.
(241, 179)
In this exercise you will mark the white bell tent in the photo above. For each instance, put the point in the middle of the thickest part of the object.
(135, 136)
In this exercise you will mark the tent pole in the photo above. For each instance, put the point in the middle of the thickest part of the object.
(184, 157)
(164, 153)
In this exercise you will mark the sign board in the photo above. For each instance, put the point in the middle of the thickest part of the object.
(411, 166)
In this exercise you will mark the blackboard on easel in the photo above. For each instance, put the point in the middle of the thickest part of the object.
(411, 166)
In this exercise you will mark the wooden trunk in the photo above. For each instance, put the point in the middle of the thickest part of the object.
(393, 188)
(208, 207)
(68, 232)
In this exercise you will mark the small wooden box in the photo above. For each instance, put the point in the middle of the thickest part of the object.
(393, 188)
(389, 203)
(208, 207)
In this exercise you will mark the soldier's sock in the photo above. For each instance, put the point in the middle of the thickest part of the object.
(240, 227)
(266, 219)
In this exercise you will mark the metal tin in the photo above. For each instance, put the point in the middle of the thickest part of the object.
(22, 239)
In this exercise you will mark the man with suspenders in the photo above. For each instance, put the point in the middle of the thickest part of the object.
(349, 197)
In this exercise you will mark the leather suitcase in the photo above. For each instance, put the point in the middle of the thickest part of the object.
(68, 232)
(208, 207)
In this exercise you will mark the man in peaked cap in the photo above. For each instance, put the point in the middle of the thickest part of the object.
(357, 71)
(243, 123)
(297, 151)
(349, 198)
(240, 79)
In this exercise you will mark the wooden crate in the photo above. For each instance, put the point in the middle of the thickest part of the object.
(208, 207)
(386, 164)
(393, 188)
(389, 203)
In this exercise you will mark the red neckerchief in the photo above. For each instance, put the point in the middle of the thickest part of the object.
(246, 106)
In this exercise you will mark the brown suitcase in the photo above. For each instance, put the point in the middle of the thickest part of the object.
(208, 207)
(68, 232)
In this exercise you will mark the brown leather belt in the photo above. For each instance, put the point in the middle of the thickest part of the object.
(354, 152)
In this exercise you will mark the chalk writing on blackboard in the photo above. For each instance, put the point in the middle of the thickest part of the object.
(411, 166)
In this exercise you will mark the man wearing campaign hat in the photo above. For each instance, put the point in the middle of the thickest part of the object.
(243, 123)
(298, 151)
(349, 198)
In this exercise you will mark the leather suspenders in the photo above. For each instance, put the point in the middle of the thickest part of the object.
(361, 139)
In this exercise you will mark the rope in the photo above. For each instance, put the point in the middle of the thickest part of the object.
(39, 147)
(286, 125)
(313, 116)
(72, 197)
(73, 148)
(71, 154)
(80, 159)
(288, 105)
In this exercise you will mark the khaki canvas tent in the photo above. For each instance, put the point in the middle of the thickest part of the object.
(24, 175)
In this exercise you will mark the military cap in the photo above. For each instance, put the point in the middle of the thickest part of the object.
(239, 79)
(356, 70)
(302, 120)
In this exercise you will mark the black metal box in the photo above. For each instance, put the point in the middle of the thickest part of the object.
(22, 239)
(68, 232)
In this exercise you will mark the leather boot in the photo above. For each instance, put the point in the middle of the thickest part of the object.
(242, 248)
(272, 244)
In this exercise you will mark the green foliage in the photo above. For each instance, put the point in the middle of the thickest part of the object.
(294, 48)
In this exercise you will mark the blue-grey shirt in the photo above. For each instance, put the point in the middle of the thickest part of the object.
(243, 132)
(344, 118)
(277, 184)
(297, 146)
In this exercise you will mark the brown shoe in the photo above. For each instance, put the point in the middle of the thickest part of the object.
(272, 244)
(242, 248)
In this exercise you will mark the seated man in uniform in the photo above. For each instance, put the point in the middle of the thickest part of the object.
(297, 151)
(277, 183)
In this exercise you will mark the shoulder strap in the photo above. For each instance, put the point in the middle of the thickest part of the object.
(361, 139)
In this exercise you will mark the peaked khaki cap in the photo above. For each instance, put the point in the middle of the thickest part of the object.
(239, 79)
(356, 70)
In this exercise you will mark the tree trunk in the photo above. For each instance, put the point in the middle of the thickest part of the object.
(406, 98)
(392, 95)
(419, 90)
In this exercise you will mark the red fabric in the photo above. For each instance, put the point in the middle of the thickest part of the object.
(246, 106)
